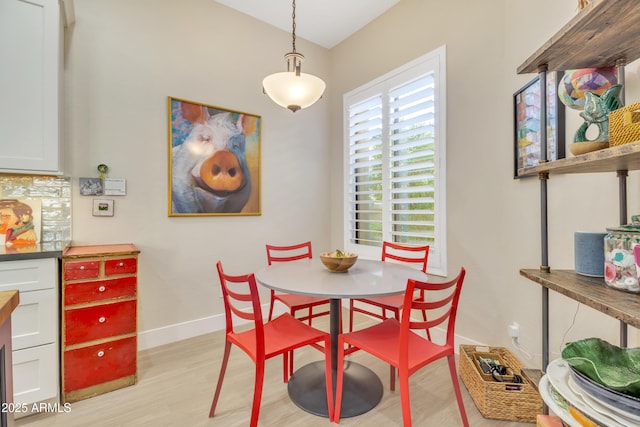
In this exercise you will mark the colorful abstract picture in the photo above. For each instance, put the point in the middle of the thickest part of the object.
(20, 221)
(214, 160)
(527, 121)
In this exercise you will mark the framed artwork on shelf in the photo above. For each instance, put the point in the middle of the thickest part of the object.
(527, 117)
(214, 160)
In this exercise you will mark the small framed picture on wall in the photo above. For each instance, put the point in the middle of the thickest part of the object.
(90, 187)
(102, 207)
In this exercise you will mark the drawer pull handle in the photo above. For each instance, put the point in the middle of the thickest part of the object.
(100, 353)
(102, 319)
(121, 264)
(102, 288)
(82, 267)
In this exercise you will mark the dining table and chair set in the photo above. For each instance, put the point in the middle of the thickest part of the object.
(395, 290)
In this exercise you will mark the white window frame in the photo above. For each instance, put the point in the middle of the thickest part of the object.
(434, 62)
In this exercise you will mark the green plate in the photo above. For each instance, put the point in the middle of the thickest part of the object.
(611, 366)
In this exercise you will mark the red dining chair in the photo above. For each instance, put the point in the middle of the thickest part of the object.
(265, 340)
(295, 303)
(414, 255)
(395, 343)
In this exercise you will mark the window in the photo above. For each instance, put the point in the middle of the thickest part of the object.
(395, 161)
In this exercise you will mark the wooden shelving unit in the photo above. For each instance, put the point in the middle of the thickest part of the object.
(591, 292)
(604, 34)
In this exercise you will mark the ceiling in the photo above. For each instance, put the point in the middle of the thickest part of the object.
(324, 22)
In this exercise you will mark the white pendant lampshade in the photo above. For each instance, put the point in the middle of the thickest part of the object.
(293, 89)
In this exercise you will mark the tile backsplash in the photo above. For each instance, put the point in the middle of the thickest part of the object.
(54, 193)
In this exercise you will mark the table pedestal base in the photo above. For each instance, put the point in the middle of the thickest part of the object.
(361, 391)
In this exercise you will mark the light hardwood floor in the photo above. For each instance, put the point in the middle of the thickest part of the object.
(176, 383)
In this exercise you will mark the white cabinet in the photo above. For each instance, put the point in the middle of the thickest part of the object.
(31, 48)
(36, 372)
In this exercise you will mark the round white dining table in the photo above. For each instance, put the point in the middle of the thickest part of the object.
(362, 388)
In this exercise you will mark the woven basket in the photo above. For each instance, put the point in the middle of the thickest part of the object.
(499, 400)
(624, 125)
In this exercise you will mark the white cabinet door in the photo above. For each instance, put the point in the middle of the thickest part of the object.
(30, 82)
(35, 374)
(35, 319)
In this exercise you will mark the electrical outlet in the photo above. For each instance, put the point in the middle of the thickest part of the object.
(514, 330)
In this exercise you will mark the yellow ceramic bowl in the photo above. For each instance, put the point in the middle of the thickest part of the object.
(338, 264)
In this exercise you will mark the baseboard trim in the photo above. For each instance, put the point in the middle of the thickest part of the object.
(193, 328)
(179, 331)
(185, 330)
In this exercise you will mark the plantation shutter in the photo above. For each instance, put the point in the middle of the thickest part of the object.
(365, 171)
(411, 162)
(395, 165)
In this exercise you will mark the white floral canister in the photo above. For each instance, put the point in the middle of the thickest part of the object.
(620, 271)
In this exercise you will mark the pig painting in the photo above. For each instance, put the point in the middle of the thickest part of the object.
(213, 169)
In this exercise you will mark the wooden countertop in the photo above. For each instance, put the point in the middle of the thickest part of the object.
(9, 300)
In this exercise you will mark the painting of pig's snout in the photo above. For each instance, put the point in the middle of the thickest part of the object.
(209, 172)
(222, 173)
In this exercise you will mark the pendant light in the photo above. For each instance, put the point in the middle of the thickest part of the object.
(293, 89)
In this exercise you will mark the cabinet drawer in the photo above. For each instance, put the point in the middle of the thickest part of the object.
(80, 292)
(81, 270)
(29, 275)
(87, 366)
(35, 321)
(101, 321)
(113, 267)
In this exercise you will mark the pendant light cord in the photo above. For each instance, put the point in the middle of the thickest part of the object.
(293, 31)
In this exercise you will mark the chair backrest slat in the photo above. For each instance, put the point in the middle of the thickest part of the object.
(442, 298)
(288, 253)
(244, 289)
(431, 305)
(421, 325)
(418, 255)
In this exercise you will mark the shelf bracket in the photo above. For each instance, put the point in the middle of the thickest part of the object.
(622, 194)
(622, 197)
(544, 233)
(542, 73)
(620, 63)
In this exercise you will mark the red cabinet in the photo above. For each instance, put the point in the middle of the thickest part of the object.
(99, 321)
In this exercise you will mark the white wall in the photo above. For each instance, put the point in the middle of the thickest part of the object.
(493, 220)
(123, 59)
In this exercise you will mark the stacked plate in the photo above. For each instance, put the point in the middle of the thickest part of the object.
(563, 386)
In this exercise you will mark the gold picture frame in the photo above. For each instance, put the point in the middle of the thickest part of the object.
(214, 160)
